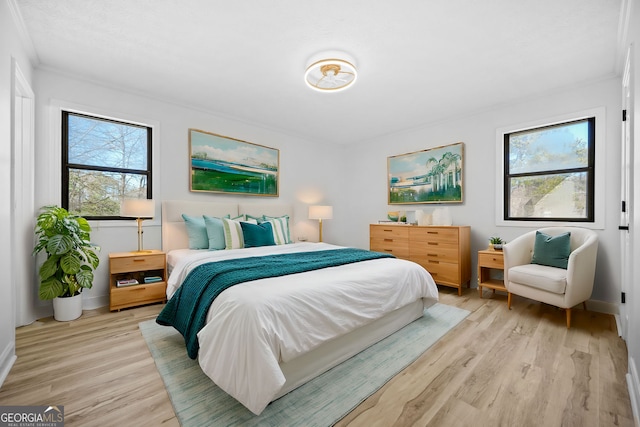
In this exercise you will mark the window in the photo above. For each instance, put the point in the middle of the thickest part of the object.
(103, 162)
(549, 172)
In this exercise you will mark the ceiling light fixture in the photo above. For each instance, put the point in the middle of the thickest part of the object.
(330, 72)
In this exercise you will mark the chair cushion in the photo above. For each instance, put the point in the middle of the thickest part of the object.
(550, 279)
(552, 251)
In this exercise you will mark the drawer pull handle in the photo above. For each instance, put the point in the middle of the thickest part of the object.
(388, 240)
(432, 243)
(432, 232)
(432, 254)
(138, 260)
(388, 250)
(434, 262)
(388, 230)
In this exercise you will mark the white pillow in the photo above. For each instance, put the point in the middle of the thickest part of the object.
(280, 225)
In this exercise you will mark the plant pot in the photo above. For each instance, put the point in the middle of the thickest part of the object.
(65, 309)
(497, 246)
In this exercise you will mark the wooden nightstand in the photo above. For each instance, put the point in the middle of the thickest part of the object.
(137, 265)
(490, 259)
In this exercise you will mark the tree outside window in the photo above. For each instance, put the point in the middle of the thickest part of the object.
(104, 161)
(549, 172)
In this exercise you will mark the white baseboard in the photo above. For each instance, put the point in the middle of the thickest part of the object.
(634, 389)
(602, 306)
(7, 359)
(95, 302)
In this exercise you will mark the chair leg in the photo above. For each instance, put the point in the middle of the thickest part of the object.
(568, 318)
(509, 300)
(584, 305)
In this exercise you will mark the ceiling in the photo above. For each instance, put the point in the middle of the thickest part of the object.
(419, 61)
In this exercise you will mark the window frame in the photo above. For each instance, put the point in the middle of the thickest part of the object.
(67, 166)
(599, 173)
(589, 169)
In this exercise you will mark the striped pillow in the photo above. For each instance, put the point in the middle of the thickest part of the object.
(232, 234)
(280, 225)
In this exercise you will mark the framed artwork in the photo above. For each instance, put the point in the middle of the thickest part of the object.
(428, 176)
(221, 164)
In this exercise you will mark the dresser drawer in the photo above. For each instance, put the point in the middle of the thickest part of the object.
(442, 272)
(434, 236)
(441, 252)
(395, 232)
(137, 263)
(137, 294)
(391, 246)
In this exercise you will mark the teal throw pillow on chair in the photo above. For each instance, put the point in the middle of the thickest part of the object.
(552, 251)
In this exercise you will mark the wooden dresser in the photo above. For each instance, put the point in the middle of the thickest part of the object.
(444, 251)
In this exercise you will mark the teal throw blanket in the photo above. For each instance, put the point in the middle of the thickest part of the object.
(188, 307)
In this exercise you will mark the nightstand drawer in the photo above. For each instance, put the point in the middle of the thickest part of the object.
(137, 294)
(137, 263)
(491, 260)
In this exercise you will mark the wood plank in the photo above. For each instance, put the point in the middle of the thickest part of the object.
(498, 367)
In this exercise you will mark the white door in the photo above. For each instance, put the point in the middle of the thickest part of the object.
(626, 265)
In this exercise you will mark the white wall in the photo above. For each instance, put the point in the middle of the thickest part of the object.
(367, 177)
(307, 170)
(11, 50)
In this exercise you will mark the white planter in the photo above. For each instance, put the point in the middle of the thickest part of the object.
(65, 309)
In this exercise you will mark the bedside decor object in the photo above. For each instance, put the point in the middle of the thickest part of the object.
(330, 72)
(140, 209)
(71, 260)
(495, 243)
(434, 175)
(320, 213)
(221, 164)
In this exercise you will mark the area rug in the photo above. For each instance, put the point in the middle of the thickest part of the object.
(323, 401)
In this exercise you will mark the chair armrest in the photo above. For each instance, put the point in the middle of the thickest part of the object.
(518, 252)
(581, 270)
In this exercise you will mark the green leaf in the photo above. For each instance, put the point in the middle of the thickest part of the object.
(59, 244)
(49, 267)
(70, 263)
(85, 277)
(50, 288)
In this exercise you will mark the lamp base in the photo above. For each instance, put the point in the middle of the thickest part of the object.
(142, 251)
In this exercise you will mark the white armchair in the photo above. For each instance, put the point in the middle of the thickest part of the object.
(556, 286)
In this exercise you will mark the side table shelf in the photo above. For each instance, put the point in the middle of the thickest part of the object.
(137, 265)
(489, 259)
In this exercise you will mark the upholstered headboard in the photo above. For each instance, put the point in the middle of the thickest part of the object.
(174, 231)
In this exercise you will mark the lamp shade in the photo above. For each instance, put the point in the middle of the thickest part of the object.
(138, 208)
(320, 212)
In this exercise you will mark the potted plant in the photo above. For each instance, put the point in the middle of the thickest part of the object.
(71, 260)
(496, 243)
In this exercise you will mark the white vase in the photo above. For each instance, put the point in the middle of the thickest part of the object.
(65, 309)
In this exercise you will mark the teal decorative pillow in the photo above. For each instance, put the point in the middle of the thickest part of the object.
(552, 251)
(215, 232)
(281, 233)
(196, 231)
(257, 234)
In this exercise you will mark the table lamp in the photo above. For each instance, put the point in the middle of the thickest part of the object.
(140, 209)
(320, 213)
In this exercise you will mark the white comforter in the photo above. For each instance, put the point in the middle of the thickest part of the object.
(254, 326)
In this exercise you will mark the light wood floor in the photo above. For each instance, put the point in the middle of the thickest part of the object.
(497, 368)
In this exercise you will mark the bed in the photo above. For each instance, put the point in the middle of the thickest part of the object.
(265, 337)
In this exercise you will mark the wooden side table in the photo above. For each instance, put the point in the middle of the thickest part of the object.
(489, 259)
(137, 265)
